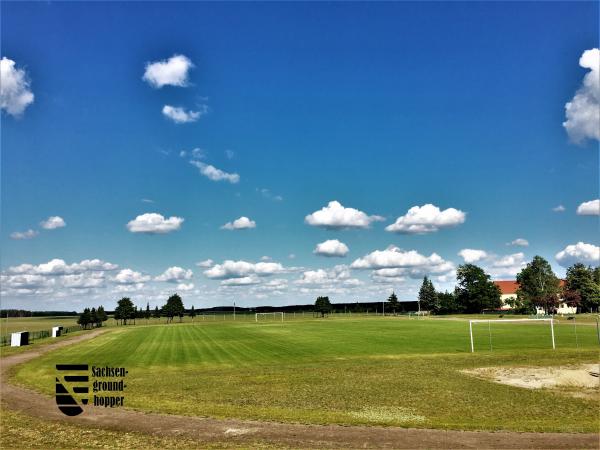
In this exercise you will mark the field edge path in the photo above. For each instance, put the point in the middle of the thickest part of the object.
(237, 432)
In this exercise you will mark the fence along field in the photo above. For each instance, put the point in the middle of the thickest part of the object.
(345, 370)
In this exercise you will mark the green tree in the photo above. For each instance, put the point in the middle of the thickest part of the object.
(580, 281)
(156, 314)
(101, 315)
(173, 307)
(147, 313)
(322, 306)
(93, 317)
(393, 303)
(124, 310)
(475, 291)
(192, 313)
(84, 318)
(428, 298)
(446, 302)
(538, 285)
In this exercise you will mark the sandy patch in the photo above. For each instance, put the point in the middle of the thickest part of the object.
(581, 379)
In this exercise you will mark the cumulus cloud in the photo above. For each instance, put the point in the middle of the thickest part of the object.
(243, 223)
(60, 267)
(583, 111)
(15, 92)
(206, 263)
(579, 253)
(338, 275)
(395, 257)
(336, 216)
(591, 208)
(426, 219)
(179, 115)
(559, 208)
(175, 274)
(331, 247)
(214, 174)
(519, 242)
(169, 72)
(128, 276)
(83, 280)
(154, 223)
(470, 255)
(239, 269)
(53, 222)
(185, 286)
(20, 235)
(506, 266)
(241, 281)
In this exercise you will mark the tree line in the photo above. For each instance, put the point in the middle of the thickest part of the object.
(92, 317)
(539, 287)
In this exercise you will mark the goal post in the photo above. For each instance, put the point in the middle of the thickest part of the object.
(274, 314)
(489, 322)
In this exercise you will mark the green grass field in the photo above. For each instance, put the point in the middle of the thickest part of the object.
(13, 324)
(373, 371)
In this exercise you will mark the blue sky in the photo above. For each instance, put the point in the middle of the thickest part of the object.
(381, 107)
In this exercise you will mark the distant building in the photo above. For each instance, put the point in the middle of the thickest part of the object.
(508, 289)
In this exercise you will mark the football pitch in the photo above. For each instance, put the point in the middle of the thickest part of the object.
(386, 371)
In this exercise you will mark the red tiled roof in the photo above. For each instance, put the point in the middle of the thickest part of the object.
(511, 286)
(507, 286)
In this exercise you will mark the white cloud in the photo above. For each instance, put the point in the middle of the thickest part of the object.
(154, 223)
(471, 255)
(26, 281)
(230, 154)
(591, 208)
(170, 72)
(206, 263)
(238, 269)
(519, 242)
(336, 216)
(338, 275)
(179, 115)
(243, 223)
(559, 208)
(214, 174)
(426, 219)
(175, 274)
(331, 247)
(147, 200)
(60, 267)
(83, 280)
(19, 235)
(395, 257)
(579, 253)
(185, 286)
(241, 281)
(15, 92)
(128, 276)
(507, 265)
(53, 222)
(583, 111)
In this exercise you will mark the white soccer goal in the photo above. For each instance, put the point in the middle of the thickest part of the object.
(267, 314)
(489, 322)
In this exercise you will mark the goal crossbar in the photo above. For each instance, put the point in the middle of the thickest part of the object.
(268, 314)
(472, 321)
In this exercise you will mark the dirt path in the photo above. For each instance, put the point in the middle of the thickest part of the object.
(207, 431)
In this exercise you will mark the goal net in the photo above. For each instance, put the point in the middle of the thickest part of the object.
(269, 316)
(489, 330)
